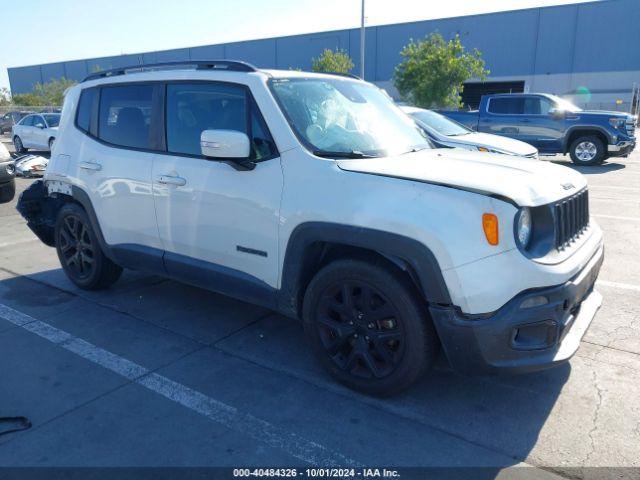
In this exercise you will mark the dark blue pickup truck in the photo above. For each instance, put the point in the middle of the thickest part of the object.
(553, 125)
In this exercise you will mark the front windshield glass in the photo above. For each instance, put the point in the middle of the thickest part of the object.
(565, 105)
(440, 123)
(52, 120)
(346, 118)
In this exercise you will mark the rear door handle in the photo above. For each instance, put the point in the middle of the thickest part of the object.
(170, 180)
(90, 166)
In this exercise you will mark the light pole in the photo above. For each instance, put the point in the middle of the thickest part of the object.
(362, 42)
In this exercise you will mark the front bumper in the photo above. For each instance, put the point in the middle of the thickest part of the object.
(622, 149)
(517, 340)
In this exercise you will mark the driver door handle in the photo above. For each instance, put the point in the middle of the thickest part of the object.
(170, 180)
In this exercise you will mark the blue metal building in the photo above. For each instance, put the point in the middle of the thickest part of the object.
(592, 46)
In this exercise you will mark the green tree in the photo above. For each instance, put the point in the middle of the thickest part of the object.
(5, 97)
(332, 61)
(45, 94)
(27, 100)
(433, 71)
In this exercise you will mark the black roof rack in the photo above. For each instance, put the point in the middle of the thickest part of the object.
(229, 65)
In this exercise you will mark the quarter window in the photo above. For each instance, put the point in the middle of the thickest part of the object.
(85, 109)
(262, 145)
(125, 115)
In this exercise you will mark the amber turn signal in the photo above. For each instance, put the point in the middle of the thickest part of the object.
(490, 227)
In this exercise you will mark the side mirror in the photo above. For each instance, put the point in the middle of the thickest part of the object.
(556, 113)
(225, 144)
(230, 145)
(39, 125)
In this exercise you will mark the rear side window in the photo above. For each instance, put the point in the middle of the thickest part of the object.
(125, 115)
(85, 109)
(506, 106)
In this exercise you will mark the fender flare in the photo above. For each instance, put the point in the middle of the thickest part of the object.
(415, 254)
(83, 199)
(587, 128)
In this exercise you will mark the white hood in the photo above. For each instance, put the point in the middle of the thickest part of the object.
(526, 181)
(505, 144)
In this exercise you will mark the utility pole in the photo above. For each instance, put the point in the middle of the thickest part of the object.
(362, 42)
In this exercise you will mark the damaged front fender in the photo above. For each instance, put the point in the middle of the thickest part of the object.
(40, 211)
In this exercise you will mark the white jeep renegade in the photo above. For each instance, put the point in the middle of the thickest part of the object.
(315, 196)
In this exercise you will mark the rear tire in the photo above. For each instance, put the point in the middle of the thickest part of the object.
(368, 327)
(18, 145)
(79, 251)
(587, 150)
(7, 191)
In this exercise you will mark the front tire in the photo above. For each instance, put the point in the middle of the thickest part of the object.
(79, 251)
(368, 327)
(587, 150)
(51, 142)
(18, 145)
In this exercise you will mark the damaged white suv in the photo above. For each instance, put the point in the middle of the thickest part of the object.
(315, 196)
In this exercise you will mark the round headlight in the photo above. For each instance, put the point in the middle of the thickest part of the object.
(523, 230)
(11, 169)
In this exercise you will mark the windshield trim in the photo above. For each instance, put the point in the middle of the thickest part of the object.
(308, 146)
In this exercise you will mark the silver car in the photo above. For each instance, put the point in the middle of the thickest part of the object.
(37, 131)
(444, 132)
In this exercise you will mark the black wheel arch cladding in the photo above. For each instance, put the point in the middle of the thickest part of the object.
(305, 238)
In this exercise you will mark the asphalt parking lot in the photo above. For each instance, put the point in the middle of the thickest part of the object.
(155, 373)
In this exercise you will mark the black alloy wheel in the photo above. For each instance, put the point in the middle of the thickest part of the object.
(369, 326)
(76, 247)
(79, 250)
(359, 329)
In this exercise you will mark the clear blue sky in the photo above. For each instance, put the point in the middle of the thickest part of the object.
(50, 31)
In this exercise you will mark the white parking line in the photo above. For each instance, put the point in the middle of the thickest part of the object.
(615, 217)
(623, 286)
(261, 430)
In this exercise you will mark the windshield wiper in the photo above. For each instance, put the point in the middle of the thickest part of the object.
(417, 149)
(351, 154)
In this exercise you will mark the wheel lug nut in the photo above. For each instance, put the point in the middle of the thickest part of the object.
(366, 338)
(355, 335)
(371, 325)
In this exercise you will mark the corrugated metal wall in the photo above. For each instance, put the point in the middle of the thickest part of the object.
(581, 38)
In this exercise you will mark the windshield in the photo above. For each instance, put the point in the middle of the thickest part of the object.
(565, 105)
(52, 120)
(440, 123)
(343, 118)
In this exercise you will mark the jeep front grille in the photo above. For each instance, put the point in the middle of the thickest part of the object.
(571, 217)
